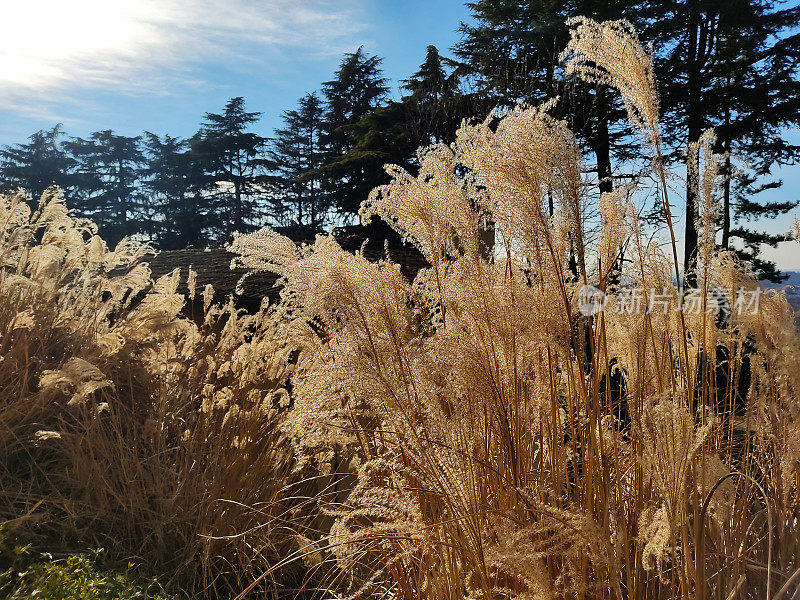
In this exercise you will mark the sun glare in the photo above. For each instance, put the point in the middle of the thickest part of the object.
(41, 36)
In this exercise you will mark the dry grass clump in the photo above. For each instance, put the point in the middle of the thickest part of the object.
(142, 432)
(504, 445)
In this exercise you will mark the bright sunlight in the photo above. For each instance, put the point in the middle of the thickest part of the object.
(51, 38)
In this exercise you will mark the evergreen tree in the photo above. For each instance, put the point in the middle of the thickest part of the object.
(174, 188)
(295, 154)
(434, 100)
(731, 66)
(430, 82)
(36, 165)
(106, 177)
(233, 164)
(357, 89)
(513, 50)
(382, 136)
(392, 133)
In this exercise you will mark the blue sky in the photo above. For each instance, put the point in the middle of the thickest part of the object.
(159, 65)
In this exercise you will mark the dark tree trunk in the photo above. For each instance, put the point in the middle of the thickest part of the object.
(726, 193)
(695, 126)
(726, 202)
(238, 221)
(122, 200)
(601, 144)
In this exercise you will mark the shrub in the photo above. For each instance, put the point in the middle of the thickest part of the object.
(75, 577)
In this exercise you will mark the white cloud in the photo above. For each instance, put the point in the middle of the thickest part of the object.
(50, 45)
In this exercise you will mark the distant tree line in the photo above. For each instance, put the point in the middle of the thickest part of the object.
(730, 65)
